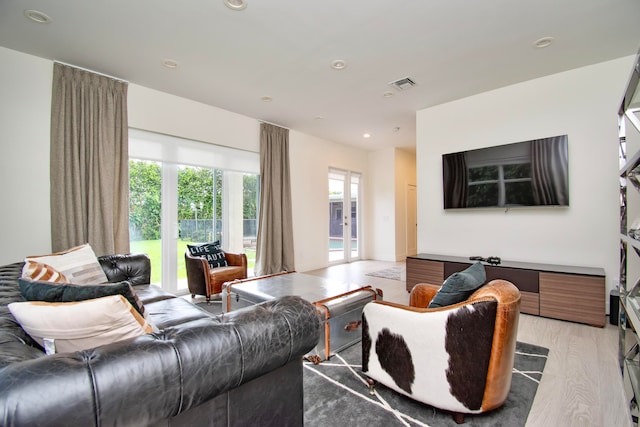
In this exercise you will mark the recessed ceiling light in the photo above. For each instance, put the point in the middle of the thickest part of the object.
(319, 118)
(235, 4)
(388, 94)
(266, 99)
(366, 135)
(36, 16)
(543, 42)
(170, 63)
(339, 64)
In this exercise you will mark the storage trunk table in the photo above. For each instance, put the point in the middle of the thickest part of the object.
(339, 304)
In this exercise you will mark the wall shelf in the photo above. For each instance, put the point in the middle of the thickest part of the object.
(629, 283)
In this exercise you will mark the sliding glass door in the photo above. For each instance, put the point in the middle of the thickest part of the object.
(344, 190)
(176, 204)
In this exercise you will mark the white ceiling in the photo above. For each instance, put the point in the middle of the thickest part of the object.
(283, 49)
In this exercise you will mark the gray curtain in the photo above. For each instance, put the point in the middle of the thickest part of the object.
(549, 174)
(274, 252)
(454, 177)
(89, 161)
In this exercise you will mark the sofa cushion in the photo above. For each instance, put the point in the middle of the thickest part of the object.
(459, 286)
(75, 326)
(151, 293)
(175, 311)
(78, 265)
(52, 292)
(211, 251)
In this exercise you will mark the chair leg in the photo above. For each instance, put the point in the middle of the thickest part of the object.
(458, 417)
(193, 296)
(208, 298)
(372, 386)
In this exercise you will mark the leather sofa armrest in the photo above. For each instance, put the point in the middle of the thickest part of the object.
(133, 268)
(422, 294)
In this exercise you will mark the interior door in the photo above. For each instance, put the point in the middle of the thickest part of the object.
(412, 220)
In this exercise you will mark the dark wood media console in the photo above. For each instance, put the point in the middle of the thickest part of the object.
(560, 292)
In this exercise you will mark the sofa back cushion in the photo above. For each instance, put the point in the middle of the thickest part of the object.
(34, 290)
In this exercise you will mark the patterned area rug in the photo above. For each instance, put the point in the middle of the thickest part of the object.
(394, 273)
(336, 394)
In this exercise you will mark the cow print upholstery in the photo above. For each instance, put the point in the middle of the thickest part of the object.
(445, 357)
(395, 358)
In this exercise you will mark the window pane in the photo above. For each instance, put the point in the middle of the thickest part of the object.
(483, 195)
(145, 203)
(199, 201)
(354, 190)
(250, 203)
(336, 209)
(522, 170)
(484, 173)
(519, 193)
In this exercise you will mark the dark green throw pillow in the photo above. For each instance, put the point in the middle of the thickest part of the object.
(211, 251)
(459, 286)
(35, 290)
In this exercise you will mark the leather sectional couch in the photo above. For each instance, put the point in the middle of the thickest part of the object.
(241, 368)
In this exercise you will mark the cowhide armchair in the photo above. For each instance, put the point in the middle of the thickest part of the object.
(457, 358)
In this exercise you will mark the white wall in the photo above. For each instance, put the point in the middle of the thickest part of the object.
(310, 160)
(391, 170)
(164, 113)
(25, 226)
(581, 103)
(405, 174)
(25, 117)
(381, 206)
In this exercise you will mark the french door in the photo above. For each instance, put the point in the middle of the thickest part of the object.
(184, 192)
(344, 216)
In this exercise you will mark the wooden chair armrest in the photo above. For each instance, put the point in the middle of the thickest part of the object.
(422, 294)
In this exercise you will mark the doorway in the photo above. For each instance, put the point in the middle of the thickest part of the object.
(344, 216)
(412, 220)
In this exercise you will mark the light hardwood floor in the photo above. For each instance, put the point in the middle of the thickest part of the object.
(581, 384)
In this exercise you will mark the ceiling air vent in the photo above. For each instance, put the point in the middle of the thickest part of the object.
(403, 84)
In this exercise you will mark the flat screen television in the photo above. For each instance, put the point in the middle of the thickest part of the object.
(528, 173)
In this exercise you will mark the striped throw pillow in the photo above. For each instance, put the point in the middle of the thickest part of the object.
(39, 271)
(78, 265)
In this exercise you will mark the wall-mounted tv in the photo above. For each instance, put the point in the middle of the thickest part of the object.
(528, 173)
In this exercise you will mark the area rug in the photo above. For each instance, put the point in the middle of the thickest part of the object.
(394, 273)
(335, 394)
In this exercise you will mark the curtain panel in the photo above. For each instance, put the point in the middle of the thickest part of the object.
(455, 181)
(274, 252)
(549, 174)
(89, 161)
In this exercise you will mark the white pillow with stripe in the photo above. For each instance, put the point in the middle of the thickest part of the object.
(74, 326)
(77, 265)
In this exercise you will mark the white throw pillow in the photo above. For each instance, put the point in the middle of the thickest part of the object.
(77, 265)
(75, 326)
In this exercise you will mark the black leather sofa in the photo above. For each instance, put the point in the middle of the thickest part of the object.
(238, 369)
